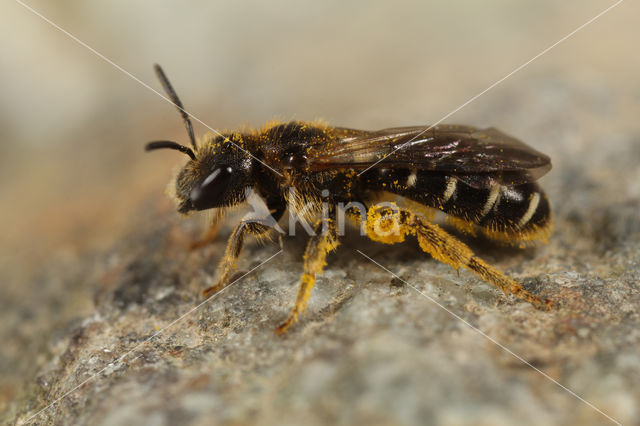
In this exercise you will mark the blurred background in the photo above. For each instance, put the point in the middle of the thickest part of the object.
(73, 175)
(73, 126)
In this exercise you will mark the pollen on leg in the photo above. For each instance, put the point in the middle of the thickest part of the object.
(385, 225)
(445, 248)
(506, 284)
(315, 256)
(307, 281)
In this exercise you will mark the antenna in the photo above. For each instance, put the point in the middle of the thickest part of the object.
(176, 101)
(171, 145)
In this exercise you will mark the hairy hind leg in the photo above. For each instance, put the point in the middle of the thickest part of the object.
(391, 225)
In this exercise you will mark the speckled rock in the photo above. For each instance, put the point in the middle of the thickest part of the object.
(370, 348)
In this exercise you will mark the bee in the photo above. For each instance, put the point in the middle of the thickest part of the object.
(482, 179)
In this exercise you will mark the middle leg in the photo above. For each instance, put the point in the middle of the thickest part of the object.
(322, 243)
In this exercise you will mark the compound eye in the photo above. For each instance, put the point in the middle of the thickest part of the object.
(212, 189)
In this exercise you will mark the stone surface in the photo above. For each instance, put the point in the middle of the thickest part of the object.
(103, 308)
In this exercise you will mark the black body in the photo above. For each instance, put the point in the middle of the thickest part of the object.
(481, 178)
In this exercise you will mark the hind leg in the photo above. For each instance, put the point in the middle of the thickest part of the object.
(391, 225)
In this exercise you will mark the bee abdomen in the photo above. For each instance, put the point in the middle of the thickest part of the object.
(511, 213)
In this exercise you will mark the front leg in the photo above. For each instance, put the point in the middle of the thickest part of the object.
(323, 242)
(210, 235)
(235, 244)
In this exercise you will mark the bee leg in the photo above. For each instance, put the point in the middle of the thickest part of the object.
(209, 236)
(234, 247)
(448, 249)
(443, 247)
(323, 242)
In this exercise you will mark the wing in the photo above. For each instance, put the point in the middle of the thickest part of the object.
(477, 156)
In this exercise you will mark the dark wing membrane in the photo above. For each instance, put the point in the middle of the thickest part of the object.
(477, 156)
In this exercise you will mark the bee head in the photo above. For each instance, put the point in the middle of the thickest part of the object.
(217, 177)
(218, 171)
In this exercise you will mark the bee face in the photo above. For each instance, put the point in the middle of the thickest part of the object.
(216, 178)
